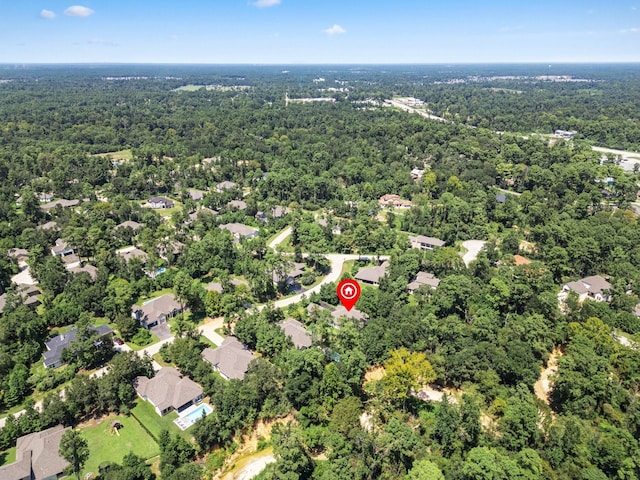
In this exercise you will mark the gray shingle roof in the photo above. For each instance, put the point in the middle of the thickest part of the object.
(57, 344)
(299, 335)
(169, 388)
(231, 359)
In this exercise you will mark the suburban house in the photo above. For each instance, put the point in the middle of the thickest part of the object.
(230, 360)
(294, 273)
(425, 243)
(392, 200)
(240, 230)
(335, 229)
(593, 288)
(169, 390)
(372, 275)
(55, 346)
(214, 287)
(130, 224)
(37, 457)
(195, 195)
(354, 314)
(62, 202)
(128, 253)
(90, 269)
(160, 202)
(61, 249)
(237, 205)
(276, 212)
(299, 335)
(157, 311)
(565, 134)
(172, 247)
(48, 226)
(19, 254)
(226, 185)
(423, 278)
(45, 197)
(417, 173)
(28, 293)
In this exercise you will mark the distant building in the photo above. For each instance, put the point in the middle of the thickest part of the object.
(62, 202)
(423, 242)
(593, 288)
(294, 273)
(37, 457)
(240, 230)
(224, 186)
(129, 253)
(372, 275)
(231, 359)
(157, 311)
(355, 314)
(237, 205)
(55, 346)
(90, 269)
(28, 293)
(168, 390)
(195, 195)
(160, 203)
(19, 254)
(417, 173)
(48, 226)
(299, 335)
(130, 224)
(392, 200)
(421, 279)
(565, 134)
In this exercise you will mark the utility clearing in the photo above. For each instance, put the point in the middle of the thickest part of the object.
(542, 387)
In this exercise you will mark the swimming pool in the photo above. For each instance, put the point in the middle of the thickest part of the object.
(192, 414)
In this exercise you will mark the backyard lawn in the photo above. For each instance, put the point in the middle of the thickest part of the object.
(107, 447)
(8, 456)
(147, 415)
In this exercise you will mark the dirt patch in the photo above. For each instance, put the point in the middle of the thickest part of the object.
(374, 374)
(542, 387)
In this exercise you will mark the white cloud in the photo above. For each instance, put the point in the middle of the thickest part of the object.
(48, 14)
(78, 11)
(100, 41)
(335, 30)
(629, 30)
(266, 3)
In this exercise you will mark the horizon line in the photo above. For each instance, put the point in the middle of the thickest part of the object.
(540, 62)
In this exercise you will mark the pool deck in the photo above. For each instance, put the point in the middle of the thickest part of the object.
(183, 422)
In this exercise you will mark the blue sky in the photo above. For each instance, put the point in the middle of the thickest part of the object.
(319, 31)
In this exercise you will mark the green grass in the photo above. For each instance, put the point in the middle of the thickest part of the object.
(347, 267)
(158, 358)
(119, 155)
(105, 447)
(136, 347)
(8, 456)
(147, 415)
(188, 88)
(206, 341)
(159, 293)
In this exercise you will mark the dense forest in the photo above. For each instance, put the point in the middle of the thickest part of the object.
(549, 211)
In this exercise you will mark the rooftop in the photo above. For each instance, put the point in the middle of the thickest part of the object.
(169, 388)
(299, 335)
(232, 358)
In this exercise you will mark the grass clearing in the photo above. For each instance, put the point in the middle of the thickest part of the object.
(8, 456)
(119, 155)
(147, 416)
(107, 447)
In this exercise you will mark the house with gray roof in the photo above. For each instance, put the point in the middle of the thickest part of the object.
(300, 336)
(195, 195)
(28, 293)
(226, 185)
(48, 226)
(240, 230)
(230, 360)
(131, 252)
(19, 254)
(423, 242)
(64, 203)
(354, 314)
(160, 203)
(594, 288)
(168, 390)
(237, 205)
(61, 248)
(213, 287)
(130, 224)
(421, 279)
(55, 346)
(372, 275)
(90, 269)
(290, 277)
(157, 310)
(37, 457)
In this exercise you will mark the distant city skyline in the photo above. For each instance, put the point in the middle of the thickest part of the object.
(314, 31)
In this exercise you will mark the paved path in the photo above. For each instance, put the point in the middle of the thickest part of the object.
(473, 249)
(209, 330)
(280, 238)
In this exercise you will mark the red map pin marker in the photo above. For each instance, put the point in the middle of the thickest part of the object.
(348, 292)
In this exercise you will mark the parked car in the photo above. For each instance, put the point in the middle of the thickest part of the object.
(118, 341)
